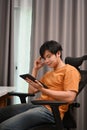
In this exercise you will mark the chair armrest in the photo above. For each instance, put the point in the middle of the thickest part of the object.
(22, 96)
(47, 102)
(54, 106)
(75, 104)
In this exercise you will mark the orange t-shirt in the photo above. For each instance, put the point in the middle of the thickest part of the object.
(62, 79)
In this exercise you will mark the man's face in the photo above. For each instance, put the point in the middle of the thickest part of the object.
(51, 59)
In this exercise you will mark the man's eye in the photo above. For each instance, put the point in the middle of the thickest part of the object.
(48, 56)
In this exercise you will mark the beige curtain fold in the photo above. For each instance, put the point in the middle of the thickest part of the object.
(64, 21)
(6, 43)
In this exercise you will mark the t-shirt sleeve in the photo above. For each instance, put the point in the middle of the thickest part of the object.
(71, 80)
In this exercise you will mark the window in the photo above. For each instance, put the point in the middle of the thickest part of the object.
(22, 33)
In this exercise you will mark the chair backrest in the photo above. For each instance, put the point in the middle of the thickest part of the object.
(77, 63)
(69, 120)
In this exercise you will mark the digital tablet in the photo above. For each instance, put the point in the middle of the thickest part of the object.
(24, 76)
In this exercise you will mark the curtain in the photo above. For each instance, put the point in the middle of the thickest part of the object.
(6, 43)
(63, 21)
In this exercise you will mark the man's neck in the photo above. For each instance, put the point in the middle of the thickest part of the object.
(60, 65)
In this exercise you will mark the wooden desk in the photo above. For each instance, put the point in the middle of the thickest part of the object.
(4, 95)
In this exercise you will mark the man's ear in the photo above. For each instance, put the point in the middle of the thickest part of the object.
(58, 53)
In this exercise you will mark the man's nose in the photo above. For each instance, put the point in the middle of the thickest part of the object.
(46, 60)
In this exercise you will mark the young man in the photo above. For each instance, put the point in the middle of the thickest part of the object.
(62, 82)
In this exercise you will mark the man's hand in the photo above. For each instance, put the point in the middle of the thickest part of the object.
(38, 63)
(37, 85)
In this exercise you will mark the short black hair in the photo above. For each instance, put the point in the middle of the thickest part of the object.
(52, 46)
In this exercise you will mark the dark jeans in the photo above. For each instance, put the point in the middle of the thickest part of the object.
(31, 116)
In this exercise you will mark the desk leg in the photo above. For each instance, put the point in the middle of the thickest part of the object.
(3, 101)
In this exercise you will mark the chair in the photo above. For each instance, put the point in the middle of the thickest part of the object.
(69, 120)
